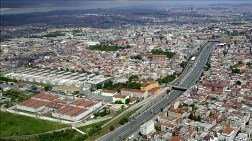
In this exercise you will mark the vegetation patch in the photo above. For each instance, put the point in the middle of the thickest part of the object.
(112, 126)
(93, 129)
(249, 64)
(183, 64)
(17, 95)
(167, 79)
(118, 86)
(136, 57)
(6, 79)
(161, 52)
(51, 34)
(108, 47)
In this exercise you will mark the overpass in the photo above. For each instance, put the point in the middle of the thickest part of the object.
(180, 88)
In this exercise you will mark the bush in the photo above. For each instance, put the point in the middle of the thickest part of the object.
(161, 52)
(137, 57)
(2, 78)
(183, 64)
(47, 87)
(238, 82)
(167, 79)
(123, 120)
(111, 128)
(133, 77)
(127, 101)
(118, 102)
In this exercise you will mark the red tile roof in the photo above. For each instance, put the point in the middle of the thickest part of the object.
(133, 90)
(227, 130)
(176, 138)
(211, 84)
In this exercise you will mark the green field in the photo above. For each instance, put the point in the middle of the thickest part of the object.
(11, 124)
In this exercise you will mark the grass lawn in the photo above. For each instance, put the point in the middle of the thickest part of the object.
(84, 128)
(11, 124)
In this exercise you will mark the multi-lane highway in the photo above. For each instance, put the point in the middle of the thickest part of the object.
(188, 80)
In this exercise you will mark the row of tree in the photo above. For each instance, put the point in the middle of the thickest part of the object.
(118, 86)
(17, 95)
(6, 79)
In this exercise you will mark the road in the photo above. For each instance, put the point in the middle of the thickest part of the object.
(188, 80)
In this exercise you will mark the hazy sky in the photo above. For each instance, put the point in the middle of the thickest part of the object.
(27, 6)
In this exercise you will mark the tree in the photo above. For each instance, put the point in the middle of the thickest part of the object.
(235, 70)
(249, 64)
(108, 84)
(121, 122)
(224, 53)
(125, 119)
(207, 67)
(133, 77)
(199, 118)
(211, 114)
(137, 57)
(157, 128)
(47, 87)
(214, 98)
(190, 116)
(127, 101)
(99, 86)
(161, 52)
(111, 128)
(167, 79)
(238, 82)
(161, 109)
(173, 133)
(118, 102)
(107, 47)
(133, 85)
(183, 64)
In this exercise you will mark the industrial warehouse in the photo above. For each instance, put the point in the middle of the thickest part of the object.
(59, 106)
(57, 77)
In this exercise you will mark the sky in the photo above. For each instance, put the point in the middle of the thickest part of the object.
(28, 6)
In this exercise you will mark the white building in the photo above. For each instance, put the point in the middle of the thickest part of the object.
(92, 43)
(241, 137)
(147, 128)
(118, 97)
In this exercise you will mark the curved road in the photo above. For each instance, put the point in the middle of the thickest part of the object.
(188, 80)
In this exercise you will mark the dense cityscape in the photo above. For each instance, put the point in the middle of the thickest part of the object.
(172, 73)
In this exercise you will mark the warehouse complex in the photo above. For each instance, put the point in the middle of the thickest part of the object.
(59, 106)
(56, 77)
